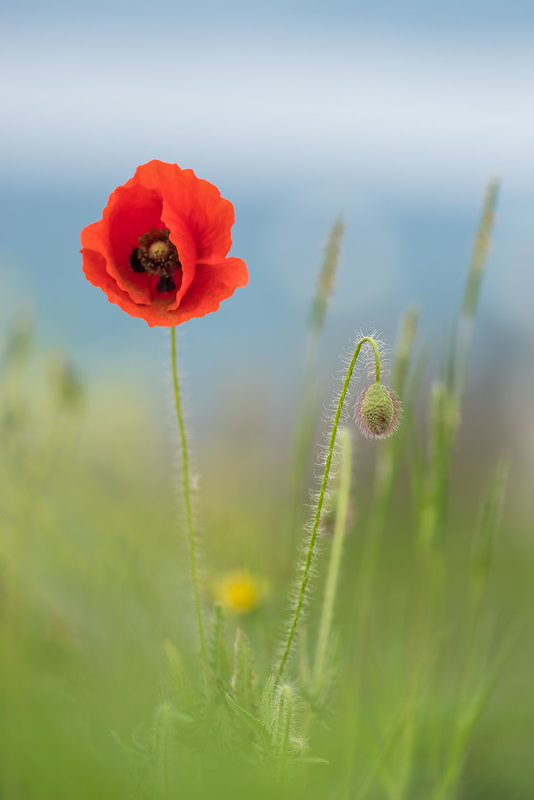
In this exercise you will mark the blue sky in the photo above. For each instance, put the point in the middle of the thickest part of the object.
(477, 15)
(394, 115)
(392, 107)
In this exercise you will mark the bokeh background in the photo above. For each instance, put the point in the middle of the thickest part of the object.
(393, 115)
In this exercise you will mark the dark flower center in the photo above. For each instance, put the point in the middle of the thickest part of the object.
(156, 255)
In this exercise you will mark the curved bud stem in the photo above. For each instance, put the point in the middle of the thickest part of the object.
(306, 567)
(376, 353)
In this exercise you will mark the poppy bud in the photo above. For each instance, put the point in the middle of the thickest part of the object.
(378, 411)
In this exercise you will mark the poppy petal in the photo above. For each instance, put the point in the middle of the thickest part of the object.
(213, 283)
(180, 236)
(94, 267)
(208, 215)
(130, 212)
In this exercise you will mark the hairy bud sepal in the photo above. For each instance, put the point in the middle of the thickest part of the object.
(377, 411)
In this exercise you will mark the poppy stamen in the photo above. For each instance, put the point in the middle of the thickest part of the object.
(165, 284)
(135, 261)
(157, 255)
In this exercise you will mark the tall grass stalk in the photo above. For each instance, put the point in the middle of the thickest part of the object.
(470, 702)
(484, 540)
(388, 461)
(474, 278)
(448, 392)
(445, 414)
(447, 745)
(432, 479)
(306, 417)
(162, 736)
(389, 458)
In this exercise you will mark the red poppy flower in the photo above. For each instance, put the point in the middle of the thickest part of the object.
(160, 250)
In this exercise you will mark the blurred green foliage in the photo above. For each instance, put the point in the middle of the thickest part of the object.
(433, 640)
(93, 587)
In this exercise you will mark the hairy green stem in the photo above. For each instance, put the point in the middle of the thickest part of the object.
(310, 551)
(188, 508)
(308, 400)
(323, 640)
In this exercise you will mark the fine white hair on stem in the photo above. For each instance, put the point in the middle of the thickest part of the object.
(187, 496)
(369, 366)
(299, 596)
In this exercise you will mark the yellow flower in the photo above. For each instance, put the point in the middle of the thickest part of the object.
(239, 592)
